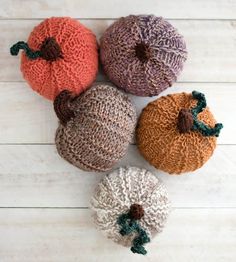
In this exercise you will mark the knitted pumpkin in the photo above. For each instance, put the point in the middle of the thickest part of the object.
(130, 206)
(177, 133)
(60, 54)
(96, 127)
(142, 54)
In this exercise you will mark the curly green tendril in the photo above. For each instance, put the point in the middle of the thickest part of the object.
(24, 46)
(128, 226)
(199, 125)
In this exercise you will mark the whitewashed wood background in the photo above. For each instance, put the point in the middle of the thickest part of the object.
(44, 201)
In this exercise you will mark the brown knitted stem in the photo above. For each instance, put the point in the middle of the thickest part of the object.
(185, 121)
(61, 106)
(136, 211)
(50, 49)
(142, 52)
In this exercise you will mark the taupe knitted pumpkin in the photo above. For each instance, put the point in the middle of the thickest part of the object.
(130, 206)
(96, 127)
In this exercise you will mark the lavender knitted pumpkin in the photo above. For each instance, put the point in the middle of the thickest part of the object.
(142, 54)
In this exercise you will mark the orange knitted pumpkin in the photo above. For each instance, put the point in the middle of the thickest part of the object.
(60, 54)
(177, 133)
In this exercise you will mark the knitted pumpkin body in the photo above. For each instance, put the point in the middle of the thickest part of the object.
(61, 54)
(130, 197)
(99, 130)
(166, 142)
(142, 54)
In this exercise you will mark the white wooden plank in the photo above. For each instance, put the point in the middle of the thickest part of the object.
(28, 118)
(69, 235)
(25, 116)
(217, 9)
(202, 226)
(35, 176)
(211, 46)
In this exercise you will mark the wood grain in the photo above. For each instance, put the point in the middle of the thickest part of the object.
(35, 176)
(28, 118)
(188, 9)
(36, 235)
(211, 47)
(44, 200)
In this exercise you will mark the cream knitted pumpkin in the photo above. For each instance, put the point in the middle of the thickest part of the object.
(130, 207)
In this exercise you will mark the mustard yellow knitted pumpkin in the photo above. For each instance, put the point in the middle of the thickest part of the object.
(177, 133)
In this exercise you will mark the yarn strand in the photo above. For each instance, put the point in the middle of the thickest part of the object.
(129, 225)
(199, 125)
(24, 46)
(201, 102)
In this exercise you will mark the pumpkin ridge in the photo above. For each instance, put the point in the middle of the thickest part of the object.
(160, 141)
(69, 51)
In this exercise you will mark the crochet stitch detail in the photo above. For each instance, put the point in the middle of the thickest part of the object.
(188, 120)
(61, 106)
(49, 50)
(185, 120)
(136, 211)
(142, 52)
(129, 225)
(199, 125)
(14, 50)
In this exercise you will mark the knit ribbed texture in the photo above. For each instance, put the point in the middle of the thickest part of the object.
(118, 191)
(100, 131)
(142, 54)
(77, 67)
(161, 142)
